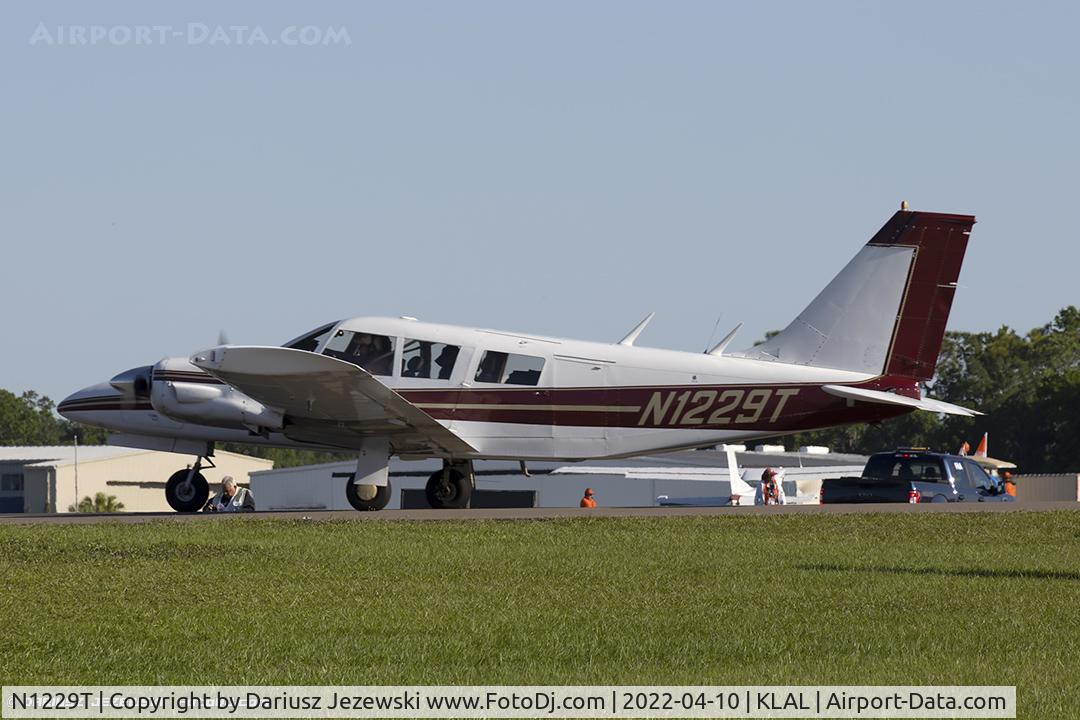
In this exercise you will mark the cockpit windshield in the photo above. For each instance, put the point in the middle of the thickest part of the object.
(374, 353)
(311, 341)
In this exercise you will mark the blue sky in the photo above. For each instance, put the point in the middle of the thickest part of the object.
(550, 167)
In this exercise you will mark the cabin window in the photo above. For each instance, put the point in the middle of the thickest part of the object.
(508, 369)
(311, 340)
(374, 353)
(427, 359)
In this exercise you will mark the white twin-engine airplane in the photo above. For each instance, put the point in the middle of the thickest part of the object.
(381, 387)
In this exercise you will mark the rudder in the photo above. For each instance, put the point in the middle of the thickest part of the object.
(940, 241)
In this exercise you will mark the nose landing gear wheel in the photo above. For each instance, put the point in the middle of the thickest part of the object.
(187, 496)
(448, 491)
(367, 497)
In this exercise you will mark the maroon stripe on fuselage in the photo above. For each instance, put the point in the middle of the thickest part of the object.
(778, 408)
(940, 241)
(98, 404)
(185, 376)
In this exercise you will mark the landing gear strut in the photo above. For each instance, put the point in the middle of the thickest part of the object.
(187, 490)
(451, 487)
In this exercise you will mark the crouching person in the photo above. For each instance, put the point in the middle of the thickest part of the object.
(232, 498)
(771, 489)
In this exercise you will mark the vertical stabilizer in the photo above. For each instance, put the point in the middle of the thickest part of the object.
(885, 313)
(739, 487)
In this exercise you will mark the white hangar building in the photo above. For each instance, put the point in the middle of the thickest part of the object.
(43, 479)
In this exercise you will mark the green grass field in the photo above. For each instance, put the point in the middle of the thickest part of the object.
(796, 599)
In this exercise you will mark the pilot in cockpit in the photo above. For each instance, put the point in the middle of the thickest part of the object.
(381, 361)
(360, 349)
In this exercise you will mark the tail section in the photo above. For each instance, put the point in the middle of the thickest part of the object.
(885, 313)
(739, 487)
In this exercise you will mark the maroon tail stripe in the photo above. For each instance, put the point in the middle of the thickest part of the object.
(940, 241)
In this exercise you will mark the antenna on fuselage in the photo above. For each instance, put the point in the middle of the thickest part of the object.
(713, 333)
(633, 334)
(718, 348)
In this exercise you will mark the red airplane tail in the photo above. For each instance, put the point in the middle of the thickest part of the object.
(939, 241)
(885, 313)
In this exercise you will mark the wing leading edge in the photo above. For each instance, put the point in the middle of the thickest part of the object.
(329, 401)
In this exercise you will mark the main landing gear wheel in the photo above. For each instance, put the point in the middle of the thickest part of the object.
(367, 497)
(184, 495)
(448, 489)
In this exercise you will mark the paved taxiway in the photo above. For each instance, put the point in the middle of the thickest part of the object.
(534, 513)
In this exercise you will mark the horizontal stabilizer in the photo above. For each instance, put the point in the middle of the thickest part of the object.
(888, 398)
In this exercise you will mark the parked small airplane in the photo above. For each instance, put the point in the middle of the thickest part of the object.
(740, 491)
(381, 387)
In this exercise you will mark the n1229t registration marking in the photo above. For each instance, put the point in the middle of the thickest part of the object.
(734, 406)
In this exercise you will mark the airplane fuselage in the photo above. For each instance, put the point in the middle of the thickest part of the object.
(516, 396)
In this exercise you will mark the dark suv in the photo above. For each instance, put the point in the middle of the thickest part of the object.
(915, 475)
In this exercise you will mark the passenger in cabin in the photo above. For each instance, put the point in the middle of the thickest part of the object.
(414, 368)
(491, 367)
(523, 377)
(446, 360)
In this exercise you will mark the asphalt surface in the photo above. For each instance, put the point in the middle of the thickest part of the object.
(532, 513)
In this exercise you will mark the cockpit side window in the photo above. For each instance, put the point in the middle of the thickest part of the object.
(427, 359)
(509, 369)
(374, 353)
(311, 340)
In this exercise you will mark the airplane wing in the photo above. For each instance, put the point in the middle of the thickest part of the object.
(328, 401)
(888, 398)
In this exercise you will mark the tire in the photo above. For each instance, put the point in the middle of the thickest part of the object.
(940, 499)
(186, 498)
(453, 494)
(367, 497)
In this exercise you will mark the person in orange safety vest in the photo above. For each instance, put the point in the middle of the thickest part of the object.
(587, 500)
(1010, 484)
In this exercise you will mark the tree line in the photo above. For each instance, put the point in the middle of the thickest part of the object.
(1027, 385)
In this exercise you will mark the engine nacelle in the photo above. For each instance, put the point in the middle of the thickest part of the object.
(185, 393)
